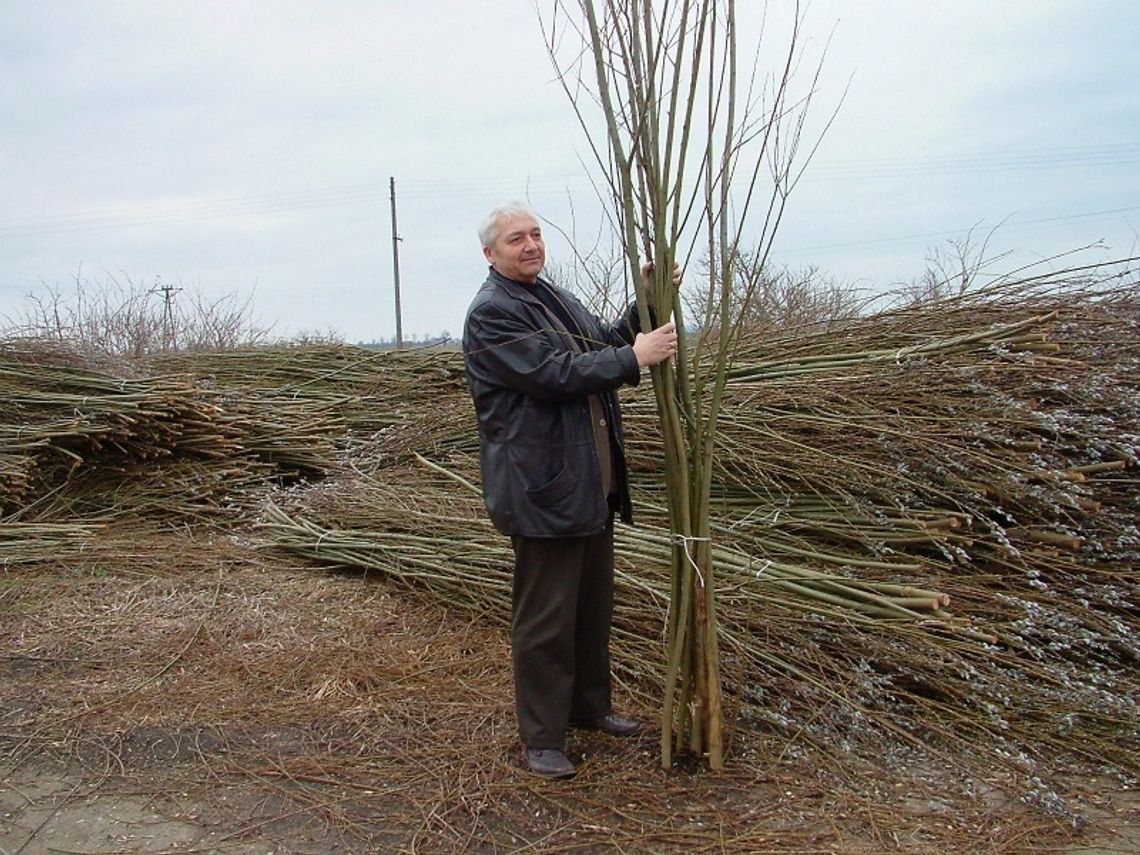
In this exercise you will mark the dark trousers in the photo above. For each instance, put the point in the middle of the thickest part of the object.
(560, 633)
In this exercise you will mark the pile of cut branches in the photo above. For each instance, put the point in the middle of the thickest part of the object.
(917, 517)
(925, 521)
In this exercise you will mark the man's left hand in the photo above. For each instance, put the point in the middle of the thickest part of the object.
(647, 275)
(647, 282)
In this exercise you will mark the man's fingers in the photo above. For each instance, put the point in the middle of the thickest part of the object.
(647, 271)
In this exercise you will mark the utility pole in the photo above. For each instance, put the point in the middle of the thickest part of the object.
(168, 291)
(396, 267)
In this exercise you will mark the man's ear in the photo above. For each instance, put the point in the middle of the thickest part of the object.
(487, 254)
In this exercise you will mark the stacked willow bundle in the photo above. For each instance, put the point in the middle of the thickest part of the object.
(374, 406)
(902, 519)
(187, 437)
(63, 420)
(925, 522)
(29, 543)
(371, 390)
(86, 440)
(998, 471)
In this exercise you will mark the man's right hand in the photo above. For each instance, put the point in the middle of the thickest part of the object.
(653, 348)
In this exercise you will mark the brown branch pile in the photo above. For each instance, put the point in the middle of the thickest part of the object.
(926, 529)
(925, 522)
(78, 439)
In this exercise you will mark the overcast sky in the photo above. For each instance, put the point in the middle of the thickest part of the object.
(247, 146)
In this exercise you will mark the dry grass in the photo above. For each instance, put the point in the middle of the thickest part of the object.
(326, 712)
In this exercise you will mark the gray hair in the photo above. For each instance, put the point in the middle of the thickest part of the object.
(489, 225)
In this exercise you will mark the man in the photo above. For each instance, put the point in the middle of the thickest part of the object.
(543, 373)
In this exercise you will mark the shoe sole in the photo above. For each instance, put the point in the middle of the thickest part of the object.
(567, 771)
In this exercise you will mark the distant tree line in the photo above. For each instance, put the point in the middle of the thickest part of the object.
(121, 316)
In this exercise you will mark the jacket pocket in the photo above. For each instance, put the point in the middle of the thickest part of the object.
(556, 489)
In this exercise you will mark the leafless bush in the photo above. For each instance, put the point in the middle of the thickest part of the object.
(125, 317)
(951, 271)
(767, 299)
(316, 338)
(786, 298)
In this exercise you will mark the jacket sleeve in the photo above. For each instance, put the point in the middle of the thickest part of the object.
(504, 350)
(623, 330)
(629, 324)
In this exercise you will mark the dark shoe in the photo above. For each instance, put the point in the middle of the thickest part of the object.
(549, 763)
(612, 724)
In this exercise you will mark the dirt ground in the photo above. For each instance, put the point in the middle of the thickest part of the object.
(190, 695)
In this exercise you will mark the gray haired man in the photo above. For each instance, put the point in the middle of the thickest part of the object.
(543, 372)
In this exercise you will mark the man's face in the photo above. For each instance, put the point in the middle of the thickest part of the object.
(518, 252)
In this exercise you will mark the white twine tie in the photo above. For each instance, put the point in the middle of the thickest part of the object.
(685, 540)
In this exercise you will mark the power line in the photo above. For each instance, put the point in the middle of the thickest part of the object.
(1098, 156)
(223, 208)
(187, 212)
(1008, 226)
(979, 162)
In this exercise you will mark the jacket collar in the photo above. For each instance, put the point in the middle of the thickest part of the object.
(525, 291)
(519, 290)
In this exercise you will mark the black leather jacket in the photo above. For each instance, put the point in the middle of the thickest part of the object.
(531, 383)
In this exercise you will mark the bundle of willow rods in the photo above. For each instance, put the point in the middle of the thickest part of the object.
(992, 465)
(29, 543)
(61, 419)
(926, 520)
(371, 390)
(117, 441)
(813, 667)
